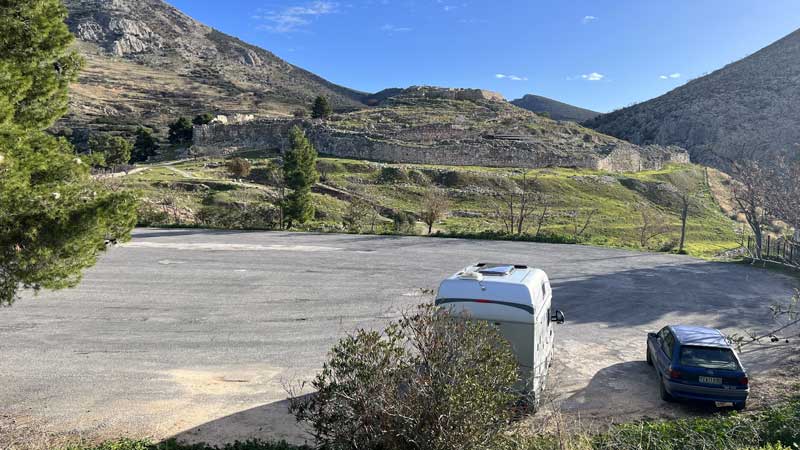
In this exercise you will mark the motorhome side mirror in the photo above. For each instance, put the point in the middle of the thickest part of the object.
(558, 317)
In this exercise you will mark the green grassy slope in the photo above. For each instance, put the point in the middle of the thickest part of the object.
(188, 193)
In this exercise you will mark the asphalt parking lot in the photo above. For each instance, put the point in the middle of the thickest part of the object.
(196, 334)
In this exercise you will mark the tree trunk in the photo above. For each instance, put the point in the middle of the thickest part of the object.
(430, 228)
(684, 218)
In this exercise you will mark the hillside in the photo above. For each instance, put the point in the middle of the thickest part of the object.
(748, 108)
(557, 110)
(147, 62)
(432, 125)
(203, 193)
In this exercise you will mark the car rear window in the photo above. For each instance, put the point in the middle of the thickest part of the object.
(709, 358)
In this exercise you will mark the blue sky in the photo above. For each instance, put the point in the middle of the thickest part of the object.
(598, 54)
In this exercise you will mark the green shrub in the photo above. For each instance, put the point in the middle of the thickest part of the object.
(411, 388)
(419, 178)
(239, 217)
(391, 175)
(404, 223)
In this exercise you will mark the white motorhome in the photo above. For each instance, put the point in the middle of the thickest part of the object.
(518, 300)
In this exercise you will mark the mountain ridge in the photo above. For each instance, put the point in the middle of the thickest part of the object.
(556, 109)
(747, 109)
(148, 62)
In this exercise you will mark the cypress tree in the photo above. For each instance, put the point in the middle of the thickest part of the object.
(321, 108)
(54, 218)
(299, 175)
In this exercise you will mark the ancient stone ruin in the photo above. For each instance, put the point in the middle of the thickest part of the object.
(445, 144)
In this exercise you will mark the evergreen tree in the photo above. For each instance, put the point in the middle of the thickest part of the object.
(203, 119)
(116, 149)
(321, 108)
(299, 175)
(145, 146)
(180, 132)
(54, 218)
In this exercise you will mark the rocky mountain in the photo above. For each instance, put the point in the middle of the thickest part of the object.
(147, 62)
(432, 125)
(557, 110)
(750, 108)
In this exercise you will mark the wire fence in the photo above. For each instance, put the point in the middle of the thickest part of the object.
(779, 250)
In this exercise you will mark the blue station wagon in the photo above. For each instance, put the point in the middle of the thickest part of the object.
(697, 363)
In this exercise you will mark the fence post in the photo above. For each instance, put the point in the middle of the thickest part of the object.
(769, 244)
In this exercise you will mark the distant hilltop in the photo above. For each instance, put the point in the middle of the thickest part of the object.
(433, 92)
(424, 125)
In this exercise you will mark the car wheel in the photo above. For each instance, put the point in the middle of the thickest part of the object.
(649, 358)
(666, 396)
(740, 406)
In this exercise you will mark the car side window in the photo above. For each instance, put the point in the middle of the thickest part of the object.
(668, 343)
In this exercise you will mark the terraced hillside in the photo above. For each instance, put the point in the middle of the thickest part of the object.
(433, 125)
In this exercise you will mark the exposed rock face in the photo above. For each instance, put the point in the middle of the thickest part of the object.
(557, 110)
(146, 62)
(748, 109)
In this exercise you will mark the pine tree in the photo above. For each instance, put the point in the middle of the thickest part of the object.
(299, 174)
(54, 218)
(117, 150)
(181, 132)
(321, 108)
(145, 147)
(203, 119)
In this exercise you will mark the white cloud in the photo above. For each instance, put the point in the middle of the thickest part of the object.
(389, 28)
(675, 75)
(503, 76)
(672, 75)
(588, 19)
(594, 76)
(293, 18)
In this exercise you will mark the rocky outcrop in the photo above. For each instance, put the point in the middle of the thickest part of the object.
(147, 62)
(444, 148)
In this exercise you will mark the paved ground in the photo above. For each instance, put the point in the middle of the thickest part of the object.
(196, 333)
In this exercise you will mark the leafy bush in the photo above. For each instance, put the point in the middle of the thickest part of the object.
(405, 223)
(412, 388)
(233, 217)
(417, 177)
(391, 175)
(501, 236)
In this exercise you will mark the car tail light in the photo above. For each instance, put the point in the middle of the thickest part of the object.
(744, 381)
(675, 374)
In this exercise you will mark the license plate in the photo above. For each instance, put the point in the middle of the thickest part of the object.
(711, 380)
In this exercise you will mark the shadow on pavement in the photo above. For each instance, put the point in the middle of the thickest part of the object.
(641, 296)
(626, 391)
(270, 422)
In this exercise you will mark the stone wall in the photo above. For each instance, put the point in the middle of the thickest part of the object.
(273, 134)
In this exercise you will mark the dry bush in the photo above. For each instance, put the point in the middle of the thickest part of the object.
(430, 381)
